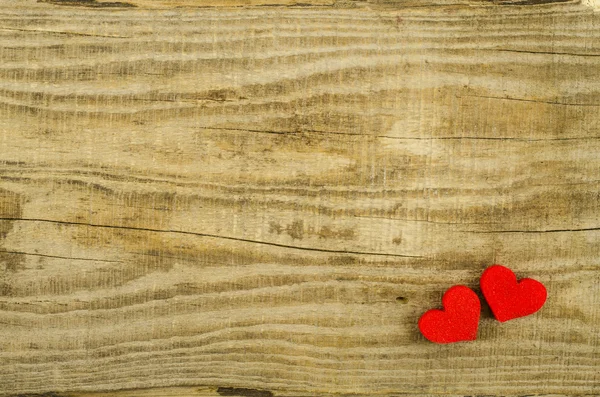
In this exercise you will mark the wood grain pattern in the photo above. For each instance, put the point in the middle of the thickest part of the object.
(262, 201)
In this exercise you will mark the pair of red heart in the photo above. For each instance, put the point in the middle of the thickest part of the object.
(507, 298)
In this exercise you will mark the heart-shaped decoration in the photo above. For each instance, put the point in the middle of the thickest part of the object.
(508, 298)
(457, 322)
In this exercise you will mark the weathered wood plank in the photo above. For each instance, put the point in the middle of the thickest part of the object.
(268, 199)
(238, 392)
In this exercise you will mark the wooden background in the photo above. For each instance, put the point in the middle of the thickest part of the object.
(261, 199)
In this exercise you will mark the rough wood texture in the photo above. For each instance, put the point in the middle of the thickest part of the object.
(263, 201)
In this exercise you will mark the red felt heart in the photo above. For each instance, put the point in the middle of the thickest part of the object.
(457, 322)
(508, 298)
